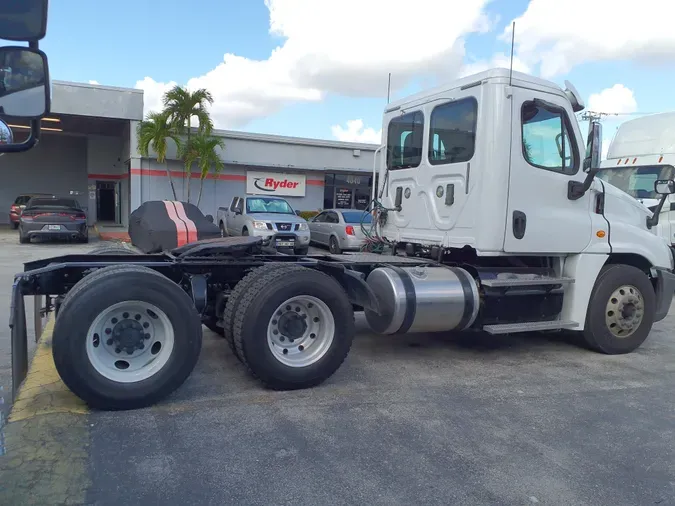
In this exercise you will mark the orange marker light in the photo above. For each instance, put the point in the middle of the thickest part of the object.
(600, 233)
(660, 159)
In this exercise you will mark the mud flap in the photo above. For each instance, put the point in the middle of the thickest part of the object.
(19, 333)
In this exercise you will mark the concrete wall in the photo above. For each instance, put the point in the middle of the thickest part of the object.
(150, 182)
(58, 164)
(97, 101)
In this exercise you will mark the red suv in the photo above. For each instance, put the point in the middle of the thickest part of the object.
(20, 204)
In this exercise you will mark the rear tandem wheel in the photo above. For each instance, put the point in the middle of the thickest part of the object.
(292, 326)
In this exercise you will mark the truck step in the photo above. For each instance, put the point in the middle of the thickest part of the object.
(520, 281)
(512, 328)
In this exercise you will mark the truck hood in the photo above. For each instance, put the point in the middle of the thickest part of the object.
(277, 217)
(620, 205)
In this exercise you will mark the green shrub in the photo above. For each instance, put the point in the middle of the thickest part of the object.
(308, 214)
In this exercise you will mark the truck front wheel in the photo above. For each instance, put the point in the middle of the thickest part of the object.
(293, 326)
(126, 337)
(621, 310)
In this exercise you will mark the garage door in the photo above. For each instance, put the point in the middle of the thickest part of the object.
(58, 164)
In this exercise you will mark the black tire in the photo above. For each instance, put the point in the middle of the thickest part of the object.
(262, 296)
(23, 239)
(238, 294)
(92, 295)
(15, 225)
(302, 251)
(84, 239)
(113, 249)
(245, 231)
(597, 333)
(334, 246)
(223, 232)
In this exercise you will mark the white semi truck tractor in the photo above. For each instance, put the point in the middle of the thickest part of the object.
(487, 201)
(642, 152)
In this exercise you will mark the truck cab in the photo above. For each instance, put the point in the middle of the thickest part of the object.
(496, 162)
(641, 153)
(272, 218)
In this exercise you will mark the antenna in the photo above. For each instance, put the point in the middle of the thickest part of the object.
(513, 40)
(388, 87)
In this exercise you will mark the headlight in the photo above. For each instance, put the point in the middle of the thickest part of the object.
(260, 225)
(302, 226)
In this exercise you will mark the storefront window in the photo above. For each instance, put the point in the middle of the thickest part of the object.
(347, 191)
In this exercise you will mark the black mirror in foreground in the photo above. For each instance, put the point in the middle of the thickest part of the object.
(24, 91)
(23, 20)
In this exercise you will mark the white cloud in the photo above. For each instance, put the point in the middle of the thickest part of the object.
(153, 93)
(337, 46)
(557, 35)
(617, 99)
(356, 132)
(91, 81)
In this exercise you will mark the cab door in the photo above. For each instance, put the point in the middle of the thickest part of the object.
(546, 154)
(429, 154)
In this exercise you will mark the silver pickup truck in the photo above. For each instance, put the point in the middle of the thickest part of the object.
(272, 218)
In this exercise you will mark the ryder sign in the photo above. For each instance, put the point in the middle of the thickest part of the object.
(275, 183)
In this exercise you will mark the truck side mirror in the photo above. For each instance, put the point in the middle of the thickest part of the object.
(664, 186)
(24, 20)
(593, 147)
(24, 92)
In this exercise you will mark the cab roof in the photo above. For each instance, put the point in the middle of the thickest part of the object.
(494, 75)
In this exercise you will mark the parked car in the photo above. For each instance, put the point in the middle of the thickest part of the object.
(20, 204)
(272, 218)
(55, 217)
(339, 229)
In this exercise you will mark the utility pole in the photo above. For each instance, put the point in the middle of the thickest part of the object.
(592, 116)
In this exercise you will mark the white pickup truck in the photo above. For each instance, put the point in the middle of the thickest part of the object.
(272, 218)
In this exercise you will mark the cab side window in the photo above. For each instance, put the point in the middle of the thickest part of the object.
(452, 133)
(404, 141)
(547, 143)
(332, 218)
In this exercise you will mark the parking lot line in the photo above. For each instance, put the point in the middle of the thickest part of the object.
(43, 392)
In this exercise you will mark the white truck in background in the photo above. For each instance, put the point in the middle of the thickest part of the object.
(642, 152)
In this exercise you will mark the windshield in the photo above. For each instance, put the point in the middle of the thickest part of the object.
(54, 203)
(638, 182)
(267, 205)
(356, 216)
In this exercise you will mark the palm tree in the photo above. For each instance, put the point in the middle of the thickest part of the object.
(203, 151)
(181, 106)
(154, 133)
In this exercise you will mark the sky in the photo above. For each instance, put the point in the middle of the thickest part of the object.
(319, 68)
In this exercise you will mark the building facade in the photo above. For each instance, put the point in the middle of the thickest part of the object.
(88, 150)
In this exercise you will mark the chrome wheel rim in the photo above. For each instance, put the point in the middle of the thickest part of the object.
(300, 331)
(625, 311)
(130, 341)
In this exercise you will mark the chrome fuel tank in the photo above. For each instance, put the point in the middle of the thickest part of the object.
(422, 299)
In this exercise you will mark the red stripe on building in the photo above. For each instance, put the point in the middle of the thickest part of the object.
(196, 175)
(181, 228)
(112, 177)
(189, 224)
(179, 175)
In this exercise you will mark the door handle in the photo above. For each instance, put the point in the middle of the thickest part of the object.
(519, 224)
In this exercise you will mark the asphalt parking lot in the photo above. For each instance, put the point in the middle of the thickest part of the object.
(414, 419)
